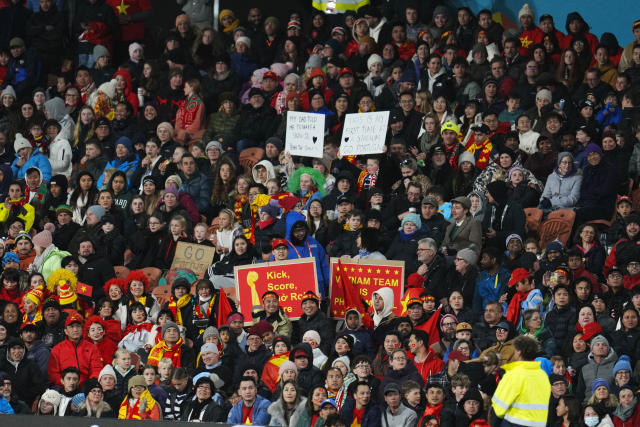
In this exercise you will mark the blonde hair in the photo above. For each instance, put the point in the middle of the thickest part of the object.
(201, 224)
(181, 220)
(231, 215)
(165, 362)
(119, 352)
(76, 131)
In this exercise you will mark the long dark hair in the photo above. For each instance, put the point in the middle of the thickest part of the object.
(92, 194)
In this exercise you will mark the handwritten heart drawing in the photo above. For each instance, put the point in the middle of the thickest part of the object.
(346, 139)
(315, 139)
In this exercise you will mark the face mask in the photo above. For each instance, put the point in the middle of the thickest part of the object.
(591, 421)
(202, 299)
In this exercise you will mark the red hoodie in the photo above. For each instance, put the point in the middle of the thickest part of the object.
(328, 93)
(128, 93)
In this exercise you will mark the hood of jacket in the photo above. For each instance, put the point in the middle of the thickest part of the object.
(271, 173)
(292, 218)
(56, 109)
(387, 296)
(612, 357)
(127, 78)
(304, 347)
(359, 319)
(315, 73)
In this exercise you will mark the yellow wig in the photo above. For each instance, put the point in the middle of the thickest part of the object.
(61, 274)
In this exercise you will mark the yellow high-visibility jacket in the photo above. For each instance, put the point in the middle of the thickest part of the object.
(26, 213)
(522, 396)
(339, 6)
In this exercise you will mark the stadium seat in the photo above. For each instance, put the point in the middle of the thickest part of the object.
(558, 226)
(154, 274)
(249, 157)
(534, 219)
(162, 294)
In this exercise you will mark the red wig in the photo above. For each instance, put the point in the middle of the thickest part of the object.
(121, 283)
(139, 276)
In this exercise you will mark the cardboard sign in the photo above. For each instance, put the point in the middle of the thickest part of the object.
(289, 279)
(305, 134)
(194, 257)
(364, 133)
(367, 276)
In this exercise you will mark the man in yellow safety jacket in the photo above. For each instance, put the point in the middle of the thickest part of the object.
(338, 6)
(522, 396)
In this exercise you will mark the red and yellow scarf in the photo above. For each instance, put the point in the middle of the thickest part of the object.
(175, 307)
(161, 350)
(127, 412)
(37, 317)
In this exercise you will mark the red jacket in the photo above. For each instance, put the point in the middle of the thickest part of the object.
(85, 356)
(633, 421)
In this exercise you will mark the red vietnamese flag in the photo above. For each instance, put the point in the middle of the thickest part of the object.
(224, 308)
(351, 294)
(431, 326)
(84, 289)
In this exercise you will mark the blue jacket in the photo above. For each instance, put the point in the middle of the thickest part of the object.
(37, 160)
(607, 118)
(260, 415)
(198, 188)
(489, 288)
(127, 166)
(5, 406)
(311, 248)
(372, 416)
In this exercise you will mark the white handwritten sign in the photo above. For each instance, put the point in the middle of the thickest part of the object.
(364, 133)
(305, 134)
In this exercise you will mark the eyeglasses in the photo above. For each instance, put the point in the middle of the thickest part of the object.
(501, 330)
(363, 366)
(96, 391)
(449, 324)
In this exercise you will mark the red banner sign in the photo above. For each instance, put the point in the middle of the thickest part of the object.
(289, 279)
(367, 277)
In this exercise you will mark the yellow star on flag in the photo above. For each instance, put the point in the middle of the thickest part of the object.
(84, 289)
(525, 41)
(122, 9)
(404, 303)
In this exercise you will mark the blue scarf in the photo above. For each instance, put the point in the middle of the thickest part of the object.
(406, 237)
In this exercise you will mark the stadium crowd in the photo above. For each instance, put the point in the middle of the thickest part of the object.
(123, 133)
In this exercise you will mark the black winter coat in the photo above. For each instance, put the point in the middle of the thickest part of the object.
(345, 244)
(435, 277)
(406, 251)
(192, 410)
(321, 324)
(311, 376)
(598, 187)
(257, 124)
(627, 342)
(26, 379)
(95, 272)
(561, 322)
